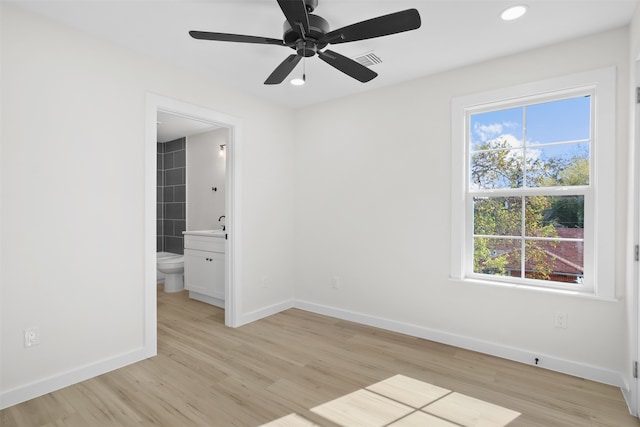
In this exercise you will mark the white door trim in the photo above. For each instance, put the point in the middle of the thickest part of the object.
(634, 209)
(155, 103)
(631, 390)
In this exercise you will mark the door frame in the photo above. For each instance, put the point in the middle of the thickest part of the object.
(233, 282)
(632, 386)
(633, 306)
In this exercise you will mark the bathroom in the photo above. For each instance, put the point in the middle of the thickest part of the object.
(191, 181)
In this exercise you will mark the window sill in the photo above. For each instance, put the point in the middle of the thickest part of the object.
(524, 287)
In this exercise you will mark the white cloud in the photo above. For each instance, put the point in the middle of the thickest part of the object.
(486, 132)
(489, 131)
(511, 140)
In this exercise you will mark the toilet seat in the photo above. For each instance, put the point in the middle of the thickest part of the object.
(171, 262)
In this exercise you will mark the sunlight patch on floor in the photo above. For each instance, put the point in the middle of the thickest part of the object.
(401, 401)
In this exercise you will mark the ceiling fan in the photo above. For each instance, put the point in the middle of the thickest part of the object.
(308, 34)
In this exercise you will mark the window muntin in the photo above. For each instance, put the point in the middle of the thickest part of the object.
(518, 157)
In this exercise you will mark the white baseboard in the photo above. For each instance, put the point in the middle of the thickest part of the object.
(546, 361)
(265, 312)
(218, 302)
(629, 398)
(56, 382)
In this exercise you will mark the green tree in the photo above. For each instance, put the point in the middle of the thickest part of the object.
(568, 211)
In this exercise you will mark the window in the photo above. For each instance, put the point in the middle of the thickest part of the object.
(533, 184)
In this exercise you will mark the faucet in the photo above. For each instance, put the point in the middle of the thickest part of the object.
(220, 219)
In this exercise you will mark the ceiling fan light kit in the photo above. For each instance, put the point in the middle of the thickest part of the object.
(309, 34)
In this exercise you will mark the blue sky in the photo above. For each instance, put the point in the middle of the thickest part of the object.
(556, 121)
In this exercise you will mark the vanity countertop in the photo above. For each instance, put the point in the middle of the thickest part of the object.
(206, 233)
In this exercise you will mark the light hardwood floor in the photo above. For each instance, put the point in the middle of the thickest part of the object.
(208, 375)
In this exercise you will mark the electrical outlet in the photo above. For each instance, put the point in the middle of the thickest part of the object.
(560, 320)
(335, 282)
(31, 336)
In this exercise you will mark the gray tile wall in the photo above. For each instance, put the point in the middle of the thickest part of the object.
(171, 196)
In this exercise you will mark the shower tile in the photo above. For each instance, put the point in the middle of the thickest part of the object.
(174, 177)
(159, 211)
(159, 161)
(179, 227)
(174, 211)
(159, 195)
(174, 244)
(179, 159)
(175, 145)
(159, 227)
(168, 161)
(179, 194)
(169, 195)
(167, 229)
(160, 177)
(160, 147)
(159, 245)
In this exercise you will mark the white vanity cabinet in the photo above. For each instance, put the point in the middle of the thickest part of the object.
(204, 262)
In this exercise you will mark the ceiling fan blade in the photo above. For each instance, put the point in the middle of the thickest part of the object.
(385, 25)
(347, 66)
(283, 70)
(296, 13)
(223, 37)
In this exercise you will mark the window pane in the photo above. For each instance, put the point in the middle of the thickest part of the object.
(497, 216)
(558, 165)
(557, 121)
(558, 261)
(496, 169)
(566, 213)
(500, 257)
(502, 125)
(555, 216)
(535, 223)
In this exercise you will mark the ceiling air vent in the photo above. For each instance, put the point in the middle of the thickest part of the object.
(368, 59)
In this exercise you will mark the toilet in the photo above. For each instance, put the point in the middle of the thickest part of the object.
(171, 266)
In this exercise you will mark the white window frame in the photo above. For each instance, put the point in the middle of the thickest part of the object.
(599, 237)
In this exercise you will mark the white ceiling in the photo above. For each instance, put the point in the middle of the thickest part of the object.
(172, 126)
(454, 33)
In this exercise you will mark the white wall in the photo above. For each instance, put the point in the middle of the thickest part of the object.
(206, 170)
(73, 205)
(372, 207)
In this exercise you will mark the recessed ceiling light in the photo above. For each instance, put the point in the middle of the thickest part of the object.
(513, 12)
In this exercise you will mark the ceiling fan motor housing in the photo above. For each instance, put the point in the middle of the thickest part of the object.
(310, 5)
(318, 27)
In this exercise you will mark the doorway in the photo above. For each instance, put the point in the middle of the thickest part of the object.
(156, 103)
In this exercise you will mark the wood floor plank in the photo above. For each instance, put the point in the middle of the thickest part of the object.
(206, 374)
